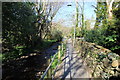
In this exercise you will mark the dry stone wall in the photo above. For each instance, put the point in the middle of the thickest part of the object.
(101, 62)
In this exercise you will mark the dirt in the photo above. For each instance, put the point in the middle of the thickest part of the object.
(28, 67)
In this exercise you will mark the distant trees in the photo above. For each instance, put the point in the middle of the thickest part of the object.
(60, 30)
(45, 13)
(78, 31)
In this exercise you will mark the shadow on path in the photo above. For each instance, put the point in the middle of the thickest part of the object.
(28, 67)
(72, 66)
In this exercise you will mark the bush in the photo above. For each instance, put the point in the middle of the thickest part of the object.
(106, 36)
(95, 36)
(56, 35)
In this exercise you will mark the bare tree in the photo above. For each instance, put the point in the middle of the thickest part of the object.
(109, 8)
(45, 11)
(82, 13)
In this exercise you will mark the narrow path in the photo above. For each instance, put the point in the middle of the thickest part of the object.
(28, 67)
(72, 65)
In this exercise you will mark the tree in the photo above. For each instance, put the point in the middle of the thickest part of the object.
(19, 31)
(24, 25)
(106, 31)
(45, 14)
(101, 16)
(109, 8)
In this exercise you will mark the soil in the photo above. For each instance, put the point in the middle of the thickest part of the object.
(28, 67)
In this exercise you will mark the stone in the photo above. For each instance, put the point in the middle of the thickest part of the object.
(115, 63)
(99, 47)
(92, 43)
(105, 75)
(100, 67)
(105, 70)
(107, 50)
(112, 72)
(106, 62)
(88, 56)
(97, 74)
(113, 59)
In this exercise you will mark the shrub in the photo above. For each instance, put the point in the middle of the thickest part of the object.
(56, 35)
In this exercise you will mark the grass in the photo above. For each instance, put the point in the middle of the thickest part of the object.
(21, 50)
(56, 62)
(45, 44)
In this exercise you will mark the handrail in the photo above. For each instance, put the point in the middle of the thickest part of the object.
(59, 58)
(48, 67)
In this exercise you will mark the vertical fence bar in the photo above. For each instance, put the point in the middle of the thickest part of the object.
(62, 47)
(49, 71)
(59, 53)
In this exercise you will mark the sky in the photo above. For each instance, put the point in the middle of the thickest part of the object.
(66, 14)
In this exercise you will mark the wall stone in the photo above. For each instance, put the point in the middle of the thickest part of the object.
(101, 62)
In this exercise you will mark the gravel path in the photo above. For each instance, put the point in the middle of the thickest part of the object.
(72, 66)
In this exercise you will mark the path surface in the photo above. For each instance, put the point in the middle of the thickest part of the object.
(28, 67)
(72, 65)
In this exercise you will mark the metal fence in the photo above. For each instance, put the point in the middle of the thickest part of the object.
(48, 72)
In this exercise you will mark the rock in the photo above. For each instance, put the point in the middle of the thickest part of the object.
(100, 67)
(105, 75)
(107, 70)
(107, 50)
(99, 47)
(113, 59)
(106, 62)
(112, 72)
(88, 56)
(92, 43)
(97, 74)
(115, 63)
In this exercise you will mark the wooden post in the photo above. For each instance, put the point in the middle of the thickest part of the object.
(59, 53)
(49, 71)
(62, 50)
(62, 46)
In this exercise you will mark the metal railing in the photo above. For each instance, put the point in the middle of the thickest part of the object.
(58, 56)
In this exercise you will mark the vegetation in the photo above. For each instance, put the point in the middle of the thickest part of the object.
(28, 30)
(17, 36)
(56, 61)
(106, 30)
(25, 28)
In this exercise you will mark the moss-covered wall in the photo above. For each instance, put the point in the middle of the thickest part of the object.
(101, 62)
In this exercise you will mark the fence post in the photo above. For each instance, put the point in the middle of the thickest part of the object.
(62, 47)
(49, 71)
(59, 53)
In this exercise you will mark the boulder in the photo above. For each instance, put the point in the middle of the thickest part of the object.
(115, 63)
(106, 62)
(112, 72)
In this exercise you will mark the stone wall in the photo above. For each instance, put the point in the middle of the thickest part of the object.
(102, 63)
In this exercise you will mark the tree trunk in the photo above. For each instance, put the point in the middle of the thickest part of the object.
(77, 13)
(109, 8)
